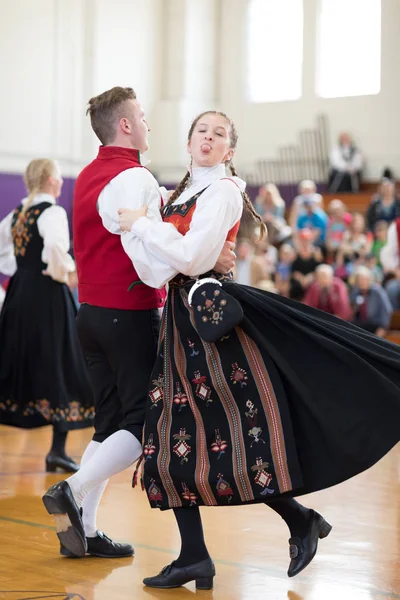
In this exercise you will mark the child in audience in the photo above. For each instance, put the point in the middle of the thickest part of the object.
(283, 272)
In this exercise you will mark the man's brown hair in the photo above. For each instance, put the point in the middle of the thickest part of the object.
(106, 110)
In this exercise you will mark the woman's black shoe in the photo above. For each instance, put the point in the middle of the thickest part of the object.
(59, 501)
(302, 550)
(64, 463)
(171, 577)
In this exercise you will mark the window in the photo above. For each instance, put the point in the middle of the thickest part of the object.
(274, 50)
(349, 48)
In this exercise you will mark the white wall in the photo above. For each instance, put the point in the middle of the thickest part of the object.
(181, 56)
(55, 55)
(373, 120)
(189, 70)
(41, 44)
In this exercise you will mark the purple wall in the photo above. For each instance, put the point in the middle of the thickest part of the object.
(12, 190)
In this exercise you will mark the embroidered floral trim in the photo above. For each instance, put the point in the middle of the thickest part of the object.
(149, 448)
(73, 412)
(224, 489)
(220, 445)
(238, 375)
(202, 391)
(157, 393)
(188, 495)
(254, 431)
(213, 312)
(20, 230)
(154, 494)
(182, 448)
(263, 478)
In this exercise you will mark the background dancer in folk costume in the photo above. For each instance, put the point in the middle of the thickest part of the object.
(43, 375)
(266, 396)
(111, 317)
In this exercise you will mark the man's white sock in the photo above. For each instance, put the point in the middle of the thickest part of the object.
(115, 454)
(92, 500)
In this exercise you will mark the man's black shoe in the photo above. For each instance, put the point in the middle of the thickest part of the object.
(60, 502)
(102, 546)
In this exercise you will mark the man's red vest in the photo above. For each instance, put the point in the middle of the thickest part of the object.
(105, 272)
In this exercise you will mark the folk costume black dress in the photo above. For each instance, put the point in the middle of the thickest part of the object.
(292, 401)
(43, 374)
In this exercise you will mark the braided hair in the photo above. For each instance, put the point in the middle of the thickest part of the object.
(36, 176)
(247, 204)
(181, 188)
(249, 208)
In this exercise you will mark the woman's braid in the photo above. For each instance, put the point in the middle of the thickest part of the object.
(181, 187)
(249, 208)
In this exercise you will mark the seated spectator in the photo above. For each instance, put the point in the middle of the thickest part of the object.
(380, 239)
(244, 254)
(271, 207)
(303, 267)
(372, 310)
(392, 288)
(385, 206)
(267, 285)
(328, 293)
(359, 259)
(269, 201)
(255, 262)
(345, 166)
(315, 219)
(371, 262)
(359, 249)
(388, 174)
(307, 191)
(266, 255)
(339, 266)
(283, 271)
(338, 224)
(390, 262)
(356, 240)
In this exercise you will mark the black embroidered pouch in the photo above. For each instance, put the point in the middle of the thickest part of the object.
(215, 311)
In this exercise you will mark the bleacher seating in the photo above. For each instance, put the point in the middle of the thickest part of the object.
(395, 321)
(354, 202)
(393, 333)
(393, 336)
(359, 203)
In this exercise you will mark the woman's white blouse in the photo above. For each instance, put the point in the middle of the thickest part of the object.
(53, 228)
(158, 251)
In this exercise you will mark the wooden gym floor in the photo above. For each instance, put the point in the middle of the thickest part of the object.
(360, 560)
